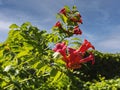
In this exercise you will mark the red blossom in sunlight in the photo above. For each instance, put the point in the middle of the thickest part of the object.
(73, 19)
(58, 24)
(75, 57)
(61, 48)
(77, 19)
(89, 58)
(78, 15)
(80, 21)
(77, 30)
(63, 11)
(71, 50)
(85, 46)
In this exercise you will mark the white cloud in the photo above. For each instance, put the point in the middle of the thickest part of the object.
(110, 42)
(106, 40)
(4, 25)
(5, 21)
(4, 28)
(109, 45)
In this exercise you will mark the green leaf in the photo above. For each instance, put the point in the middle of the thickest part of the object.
(74, 8)
(26, 24)
(67, 8)
(3, 84)
(23, 53)
(57, 77)
(53, 72)
(13, 26)
(64, 18)
(42, 69)
(37, 65)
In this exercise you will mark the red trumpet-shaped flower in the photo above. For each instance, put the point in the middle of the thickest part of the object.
(58, 24)
(63, 11)
(89, 58)
(80, 21)
(85, 46)
(77, 19)
(75, 58)
(61, 48)
(77, 30)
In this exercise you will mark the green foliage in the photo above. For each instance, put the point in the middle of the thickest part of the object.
(112, 84)
(104, 74)
(25, 58)
(26, 62)
(67, 22)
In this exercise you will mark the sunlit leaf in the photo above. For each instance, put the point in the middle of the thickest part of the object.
(13, 26)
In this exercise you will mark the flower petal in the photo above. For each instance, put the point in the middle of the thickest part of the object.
(85, 46)
(89, 58)
(61, 48)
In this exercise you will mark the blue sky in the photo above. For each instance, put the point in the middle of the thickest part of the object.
(101, 18)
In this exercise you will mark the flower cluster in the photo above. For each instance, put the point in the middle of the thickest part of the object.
(71, 20)
(75, 57)
(73, 15)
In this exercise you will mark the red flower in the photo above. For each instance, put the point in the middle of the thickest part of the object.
(77, 19)
(61, 48)
(71, 50)
(58, 24)
(85, 46)
(78, 15)
(74, 19)
(80, 21)
(74, 58)
(63, 11)
(89, 58)
(77, 30)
